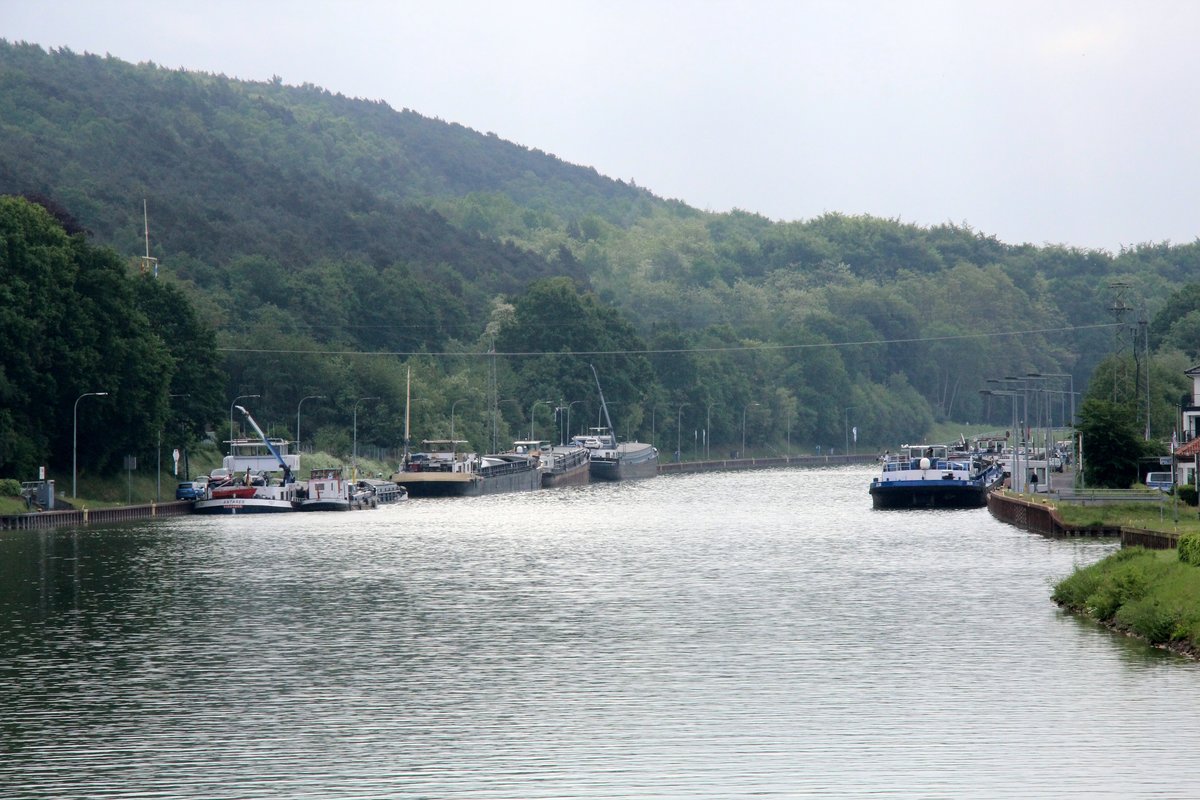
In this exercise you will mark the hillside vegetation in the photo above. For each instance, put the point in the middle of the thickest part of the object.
(329, 247)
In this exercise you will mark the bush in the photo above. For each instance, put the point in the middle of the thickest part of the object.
(1189, 549)
(1150, 620)
(1187, 494)
(10, 487)
(1101, 589)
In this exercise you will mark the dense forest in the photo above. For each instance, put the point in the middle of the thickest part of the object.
(314, 245)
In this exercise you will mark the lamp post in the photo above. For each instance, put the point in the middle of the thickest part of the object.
(708, 429)
(453, 406)
(232, 466)
(1071, 388)
(302, 399)
(571, 403)
(75, 434)
(1023, 384)
(354, 461)
(678, 416)
(789, 431)
(532, 409)
(1016, 471)
(744, 410)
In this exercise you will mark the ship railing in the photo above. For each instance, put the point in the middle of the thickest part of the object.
(505, 468)
(942, 465)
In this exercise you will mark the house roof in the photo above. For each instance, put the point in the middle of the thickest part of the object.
(1188, 449)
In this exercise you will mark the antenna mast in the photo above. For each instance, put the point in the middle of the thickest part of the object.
(148, 263)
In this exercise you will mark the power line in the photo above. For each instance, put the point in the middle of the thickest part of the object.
(728, 349)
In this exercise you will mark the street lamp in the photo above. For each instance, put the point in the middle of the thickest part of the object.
(354, 462)
(1071, 388)
(708, 428)
(1016, 471)
(846, 427)
(568, 428)
(453, 406)
(789, 430)
(532, 409)
(75, 433)
(678, 456)
(302, 399)
(231, 405)
(744, 410)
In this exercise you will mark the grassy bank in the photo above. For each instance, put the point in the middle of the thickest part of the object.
(1147, 593)
(1170, 515)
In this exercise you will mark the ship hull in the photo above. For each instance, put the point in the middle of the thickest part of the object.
(242, 505)
(630, 461)
(523, 477)
(929, 494)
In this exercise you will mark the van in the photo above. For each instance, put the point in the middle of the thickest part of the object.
(1160, 480)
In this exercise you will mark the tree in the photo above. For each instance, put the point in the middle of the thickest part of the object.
(71, 324)
(1111, 445)
(556, 332)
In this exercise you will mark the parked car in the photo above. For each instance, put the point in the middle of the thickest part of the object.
(188, 491)
(1160, 480)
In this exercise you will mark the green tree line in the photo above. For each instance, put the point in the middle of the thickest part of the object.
(329, 244)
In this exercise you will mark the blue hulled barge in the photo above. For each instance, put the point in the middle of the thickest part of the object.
(935, 476)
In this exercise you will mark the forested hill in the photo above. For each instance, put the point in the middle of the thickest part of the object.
(296, 175)
(302, 220)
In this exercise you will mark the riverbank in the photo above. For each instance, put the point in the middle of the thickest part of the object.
(1143, 590)
(1148, 594)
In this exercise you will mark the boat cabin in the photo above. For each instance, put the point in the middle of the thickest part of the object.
(926, 457)
(253, 455)
(442, 455)
(597, 439)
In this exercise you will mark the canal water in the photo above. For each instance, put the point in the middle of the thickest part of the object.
(724, 635)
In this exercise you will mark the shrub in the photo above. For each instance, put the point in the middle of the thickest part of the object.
(1123, 577)
(1187, 494)
(1150, 620)
(10, 487)
(1189, 549)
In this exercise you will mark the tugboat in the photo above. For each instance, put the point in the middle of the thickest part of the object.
(248, 488)
(326, 490)
(934, 476)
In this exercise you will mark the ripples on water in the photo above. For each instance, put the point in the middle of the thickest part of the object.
(712, 636)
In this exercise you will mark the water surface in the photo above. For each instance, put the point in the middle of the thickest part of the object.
(728, 635)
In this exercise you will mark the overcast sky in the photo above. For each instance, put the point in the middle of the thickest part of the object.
(1072, 122)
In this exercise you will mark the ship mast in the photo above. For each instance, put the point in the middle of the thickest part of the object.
(603, 405)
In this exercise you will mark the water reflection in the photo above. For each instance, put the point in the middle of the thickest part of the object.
(728, 635)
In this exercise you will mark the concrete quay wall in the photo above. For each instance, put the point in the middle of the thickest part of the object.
(722, 464)
(1044, 519)
(98, 516)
